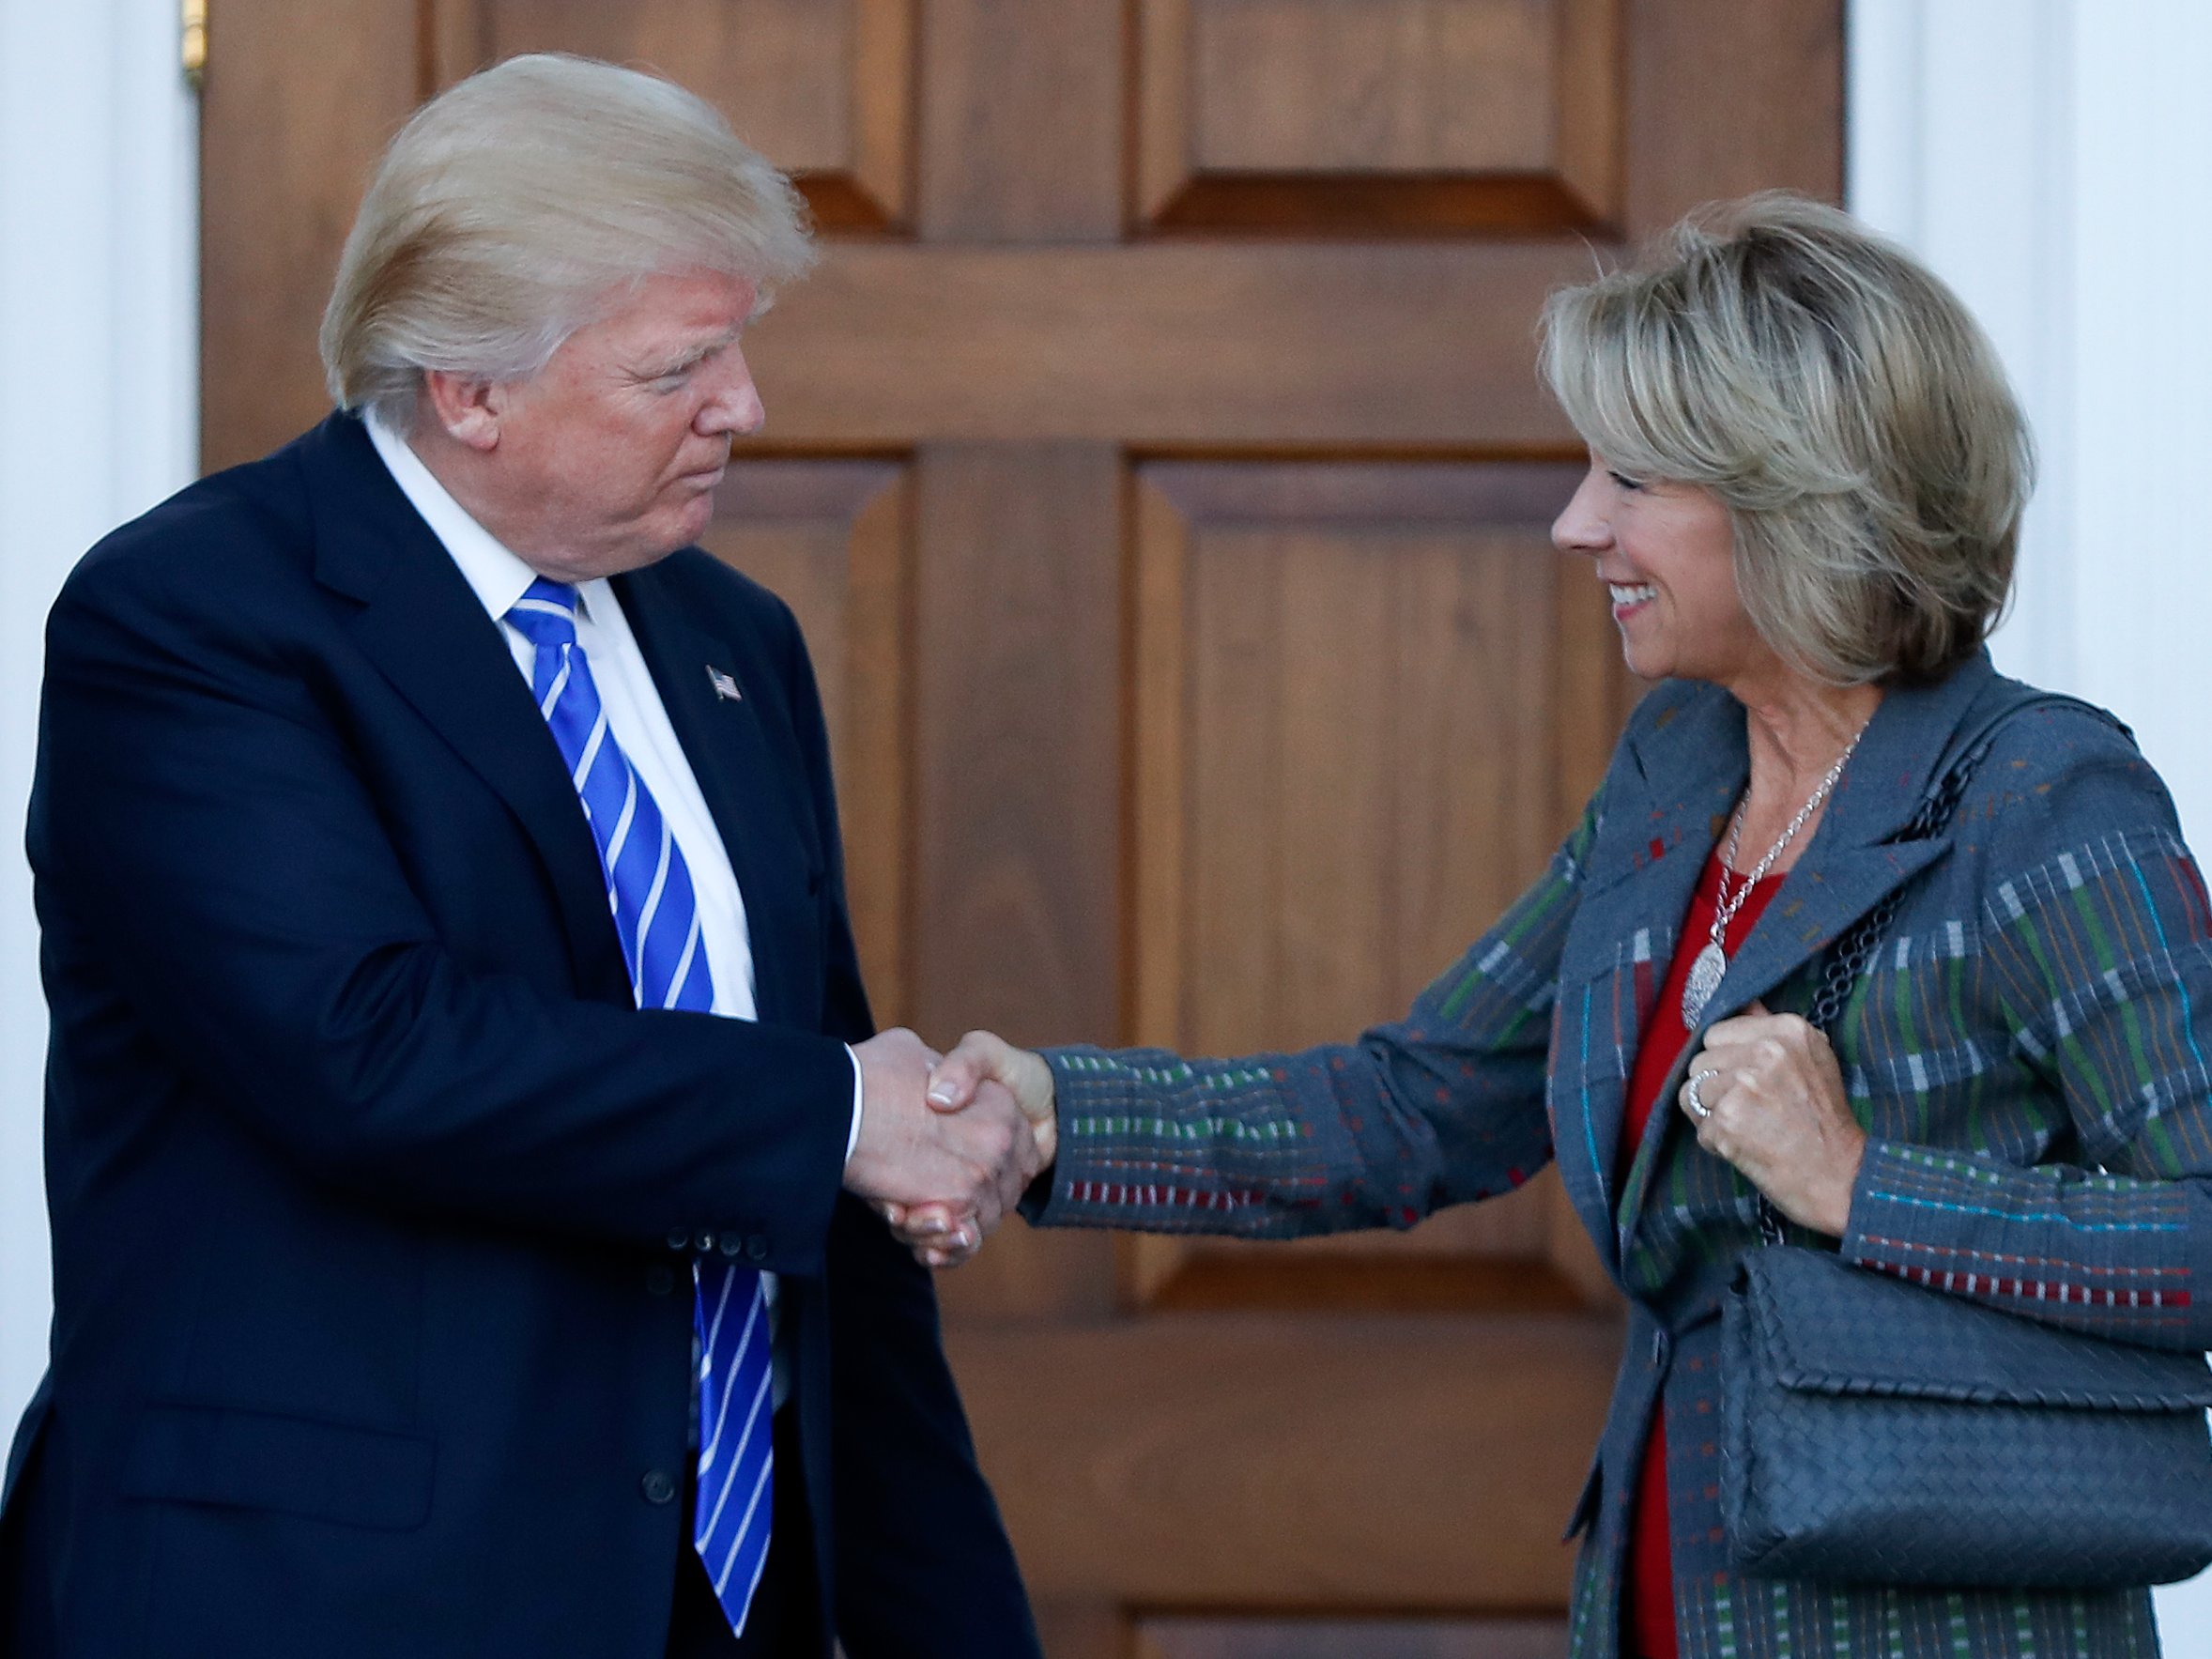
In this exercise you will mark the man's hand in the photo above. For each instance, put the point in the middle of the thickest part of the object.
(1768, 1097)
(966, 1168)
(975, 1076)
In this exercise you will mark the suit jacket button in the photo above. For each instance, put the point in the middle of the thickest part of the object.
(660, 1279)
(704, 1243)
(756, 1248)
(679, 1241)
(659, 1486)
(732, 1246)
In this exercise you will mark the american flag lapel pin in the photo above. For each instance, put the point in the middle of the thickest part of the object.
(724, 686)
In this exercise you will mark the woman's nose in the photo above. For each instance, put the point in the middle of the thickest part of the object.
(1582, 526)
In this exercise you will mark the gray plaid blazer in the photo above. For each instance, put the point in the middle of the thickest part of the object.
(2028, 1055)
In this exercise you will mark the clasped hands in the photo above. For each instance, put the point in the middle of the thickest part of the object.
(948, 1145)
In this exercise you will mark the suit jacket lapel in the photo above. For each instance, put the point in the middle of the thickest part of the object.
(423, 628)
(745, 791)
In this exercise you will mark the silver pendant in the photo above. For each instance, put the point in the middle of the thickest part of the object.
(1706, 974)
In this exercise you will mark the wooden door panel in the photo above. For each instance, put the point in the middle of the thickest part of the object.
(1366, 654)
(1158, 470)
(1339, 670)
(1268, 1460)
(1183, 1638)
(1371, 85)
(823, 87)
(1378, 116)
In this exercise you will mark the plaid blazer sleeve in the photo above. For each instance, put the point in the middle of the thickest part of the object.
(2094, 981)
(1444, 1106)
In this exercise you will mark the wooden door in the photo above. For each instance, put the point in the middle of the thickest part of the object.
(1159, 469)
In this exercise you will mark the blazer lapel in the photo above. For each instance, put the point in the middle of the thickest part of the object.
(1854, 861)
(1666, 800)
(423, 627)
(714, 712)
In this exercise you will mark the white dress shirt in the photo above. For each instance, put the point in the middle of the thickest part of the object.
(635, 716)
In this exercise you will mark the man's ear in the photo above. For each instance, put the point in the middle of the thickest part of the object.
(468, 408)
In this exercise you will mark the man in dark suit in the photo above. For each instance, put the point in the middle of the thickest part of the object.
(461, 1097)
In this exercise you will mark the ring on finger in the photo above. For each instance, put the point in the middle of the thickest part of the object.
(1693, 1101)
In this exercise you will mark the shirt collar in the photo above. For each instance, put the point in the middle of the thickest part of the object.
(495, 572)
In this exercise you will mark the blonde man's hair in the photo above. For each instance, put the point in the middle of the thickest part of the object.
(514, 205)
(1839, 401)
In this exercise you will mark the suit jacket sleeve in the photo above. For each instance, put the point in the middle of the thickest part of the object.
(1442, 1107)
(2094, 973)
(200, 824)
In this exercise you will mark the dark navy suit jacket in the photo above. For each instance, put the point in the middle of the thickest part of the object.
(374, 1198)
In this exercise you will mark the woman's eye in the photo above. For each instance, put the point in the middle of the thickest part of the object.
(1623, 480)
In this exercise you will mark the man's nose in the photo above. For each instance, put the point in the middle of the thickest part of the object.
(735, 406)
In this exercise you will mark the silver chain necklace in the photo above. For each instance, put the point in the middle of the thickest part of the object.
(1711, 965)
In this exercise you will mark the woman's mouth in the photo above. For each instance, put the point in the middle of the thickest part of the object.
(1630, 598)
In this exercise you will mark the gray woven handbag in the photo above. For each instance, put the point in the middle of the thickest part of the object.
(1877, 1432)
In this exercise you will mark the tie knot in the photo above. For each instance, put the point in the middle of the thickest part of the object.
(546, 614)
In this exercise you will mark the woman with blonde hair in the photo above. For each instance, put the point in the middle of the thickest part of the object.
(1806, 481)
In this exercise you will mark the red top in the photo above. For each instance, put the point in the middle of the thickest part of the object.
(1651, 1562)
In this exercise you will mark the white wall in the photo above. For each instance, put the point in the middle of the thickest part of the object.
(99, 400)
(2048, 158)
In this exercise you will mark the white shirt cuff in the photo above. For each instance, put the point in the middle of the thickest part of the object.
(852, 1139)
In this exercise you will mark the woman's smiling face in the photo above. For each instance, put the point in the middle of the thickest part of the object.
(1667, 553)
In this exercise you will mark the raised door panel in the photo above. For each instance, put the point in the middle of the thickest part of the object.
(1378, 117)
(823, 87)
(1352, 742)
(1347, 1463)
(1377, 86)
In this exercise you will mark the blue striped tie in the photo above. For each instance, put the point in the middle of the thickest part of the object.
(657, 919)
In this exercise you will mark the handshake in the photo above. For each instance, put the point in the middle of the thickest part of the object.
(948, 1143)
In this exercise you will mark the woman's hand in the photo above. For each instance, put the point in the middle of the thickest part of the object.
(939, 1236)
(1765, 1093)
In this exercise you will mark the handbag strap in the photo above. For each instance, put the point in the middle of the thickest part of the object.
(1855, 950)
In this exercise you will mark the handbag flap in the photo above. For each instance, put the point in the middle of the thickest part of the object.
(1826, 1327)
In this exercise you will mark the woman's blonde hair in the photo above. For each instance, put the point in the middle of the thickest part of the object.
(514, 205)
(1840, 402)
